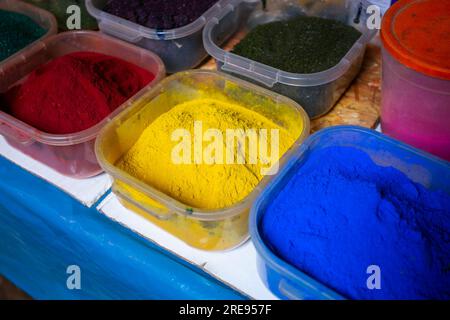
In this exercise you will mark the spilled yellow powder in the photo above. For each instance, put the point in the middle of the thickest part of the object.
(203, 186)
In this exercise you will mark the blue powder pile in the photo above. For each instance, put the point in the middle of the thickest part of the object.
(341, 213)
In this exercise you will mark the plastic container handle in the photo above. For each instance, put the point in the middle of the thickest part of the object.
(122, 33)
(249, 73)
(13, 134)
(147, 209)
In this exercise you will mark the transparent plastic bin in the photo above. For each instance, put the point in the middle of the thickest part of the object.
(285, 280)
(70, 154)
(415, 95)
(316, 92)
(219, 229)
(43, 18)
(180, 48)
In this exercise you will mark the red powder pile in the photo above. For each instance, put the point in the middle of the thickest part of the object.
(74, 92)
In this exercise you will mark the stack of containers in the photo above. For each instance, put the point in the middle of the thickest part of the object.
(416, 74)
(180, 48)
(317, 92)
(70, 154)
(43, 18)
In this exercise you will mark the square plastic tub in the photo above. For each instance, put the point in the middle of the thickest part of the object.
(316, 92)
(285, 280)
(180, 48)
(43, 18)
(70, 154)
(219, 229)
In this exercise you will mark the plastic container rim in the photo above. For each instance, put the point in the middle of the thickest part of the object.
(90, 133)
(276, 75)
(171, 203)
(392, 44)
(5, 5)
(155, 34)
(270, 258)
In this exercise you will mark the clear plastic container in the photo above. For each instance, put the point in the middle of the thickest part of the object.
(70, 154)
(180, 48)
(316, 92)
(415, 104)
(285, 280)
(219, 229)
(43, 18)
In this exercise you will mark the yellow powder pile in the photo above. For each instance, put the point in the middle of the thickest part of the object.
(200, 185)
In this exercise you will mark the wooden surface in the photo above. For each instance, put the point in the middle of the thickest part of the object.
(360, 105)
(9, 291)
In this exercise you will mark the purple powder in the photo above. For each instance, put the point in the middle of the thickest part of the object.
(159, 14)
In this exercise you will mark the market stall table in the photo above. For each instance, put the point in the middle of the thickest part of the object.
(49, 222)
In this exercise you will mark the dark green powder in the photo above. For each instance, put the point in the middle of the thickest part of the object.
(59, 10)
(301, 45)
(16, 32)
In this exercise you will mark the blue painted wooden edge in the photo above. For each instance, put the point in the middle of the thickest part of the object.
(43, 231)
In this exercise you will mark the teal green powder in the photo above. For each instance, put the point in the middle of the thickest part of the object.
(16, 32)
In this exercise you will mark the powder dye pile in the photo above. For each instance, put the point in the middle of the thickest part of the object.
(199, 184)
(301, 45)
(341, 213)
(16, 32)
(74, 92)
(159, 14)
(304, 45)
